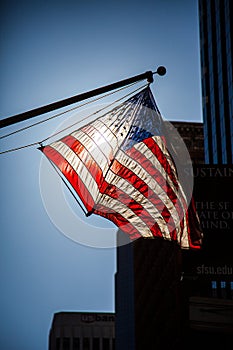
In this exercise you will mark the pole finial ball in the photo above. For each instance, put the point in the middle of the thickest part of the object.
(161, 70)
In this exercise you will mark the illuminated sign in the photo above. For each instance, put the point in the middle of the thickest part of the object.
(90, 318)
(213, 194)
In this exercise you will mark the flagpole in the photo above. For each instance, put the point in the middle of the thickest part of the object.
(83, 96)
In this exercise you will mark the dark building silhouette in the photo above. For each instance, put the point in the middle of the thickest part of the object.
(192, 135)
(148, 314)
(82, 331)
(216, 45)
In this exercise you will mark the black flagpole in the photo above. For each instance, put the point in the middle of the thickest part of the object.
(68, 101)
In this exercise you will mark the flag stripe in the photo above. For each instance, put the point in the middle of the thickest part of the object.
(158, 162)
(78, 167)
(157, 146)
(87, 159)
(92, 148)
(107, 132)
(99, 138)
(126, 212)
(71, 176)
(167, 168)
(121, 222)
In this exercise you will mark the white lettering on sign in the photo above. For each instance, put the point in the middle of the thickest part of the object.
(89, 318)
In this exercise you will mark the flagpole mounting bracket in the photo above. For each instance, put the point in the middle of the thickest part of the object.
(161, 70)
(150, 78)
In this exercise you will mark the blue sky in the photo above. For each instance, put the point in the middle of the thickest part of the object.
(51, 50)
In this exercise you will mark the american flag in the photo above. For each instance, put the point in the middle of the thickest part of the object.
(121, 169)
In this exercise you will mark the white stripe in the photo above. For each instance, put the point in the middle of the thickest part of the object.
(115, 135)
(123, 112)
(97, 135)
(94, 151)
(78, 166)
(133, 193)
(127, 213)
(107, 131)
(99, 152)
(184, 242)
(111, 138)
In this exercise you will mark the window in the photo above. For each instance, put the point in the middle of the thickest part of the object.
(58, 342)
(65, 343)
(86, 344)
(106, 344)
(214, 288)
(223, 289)
(76, 343)
(96, 344)
(223, 284)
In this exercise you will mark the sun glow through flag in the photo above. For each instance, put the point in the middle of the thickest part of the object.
(121, 169)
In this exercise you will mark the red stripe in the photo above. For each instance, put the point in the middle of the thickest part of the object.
(118, 220)
(122, 197)
(71, 176)
(194, 229)
(154, 172)
(154, 147)
(78, 148)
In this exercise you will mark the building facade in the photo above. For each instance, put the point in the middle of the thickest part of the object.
(82, 331)
(216, 48)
